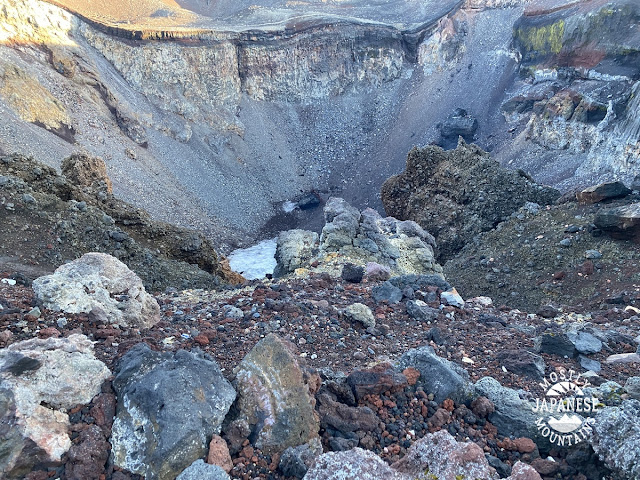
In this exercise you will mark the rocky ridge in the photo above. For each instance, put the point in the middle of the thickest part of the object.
(63, 217)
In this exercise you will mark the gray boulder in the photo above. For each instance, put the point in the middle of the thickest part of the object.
(439, 376)
(294, 249)
(387, 292)
(555, 343)
(616, 438)
(604, 191)
(295, 461)
(512, 416)
(584, 342)
(420, 282)
(402, 247)
(632, 386)
(420, 311)
(40, 380)
(437, 455)
(274, 397)
(199, 470)
(169, 405)
(352, 464)
(443, 457)
(341, 224)
(102, 286)
(620, 222)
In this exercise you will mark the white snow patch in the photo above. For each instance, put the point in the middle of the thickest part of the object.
(289, 206)
(256, 261)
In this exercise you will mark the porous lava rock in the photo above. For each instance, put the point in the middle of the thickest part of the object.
(294, 249)
(436, 455)
(168, 406)
(457, 194)
(616, 438)
(275, 397)
(40, 380)
(101, 285)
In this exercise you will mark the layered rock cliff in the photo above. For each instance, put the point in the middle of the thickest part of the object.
(214, 121)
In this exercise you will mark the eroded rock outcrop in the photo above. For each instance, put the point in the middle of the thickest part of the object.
(616, 438)
(69, 217)
(169, 405)
(359, 238)
(40, 380)
(102, 286)
(457, 194)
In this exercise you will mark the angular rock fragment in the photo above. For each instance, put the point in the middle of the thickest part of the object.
(602, 192)
(199, 470)
(57, 374)
(360, 313)
(512, 416)
(294, 249)
(274, 397)
(375, 380)
(168, 407)
(621, 222)
(437, 375)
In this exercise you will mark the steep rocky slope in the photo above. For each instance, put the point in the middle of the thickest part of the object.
(215, 128)
(49, 219)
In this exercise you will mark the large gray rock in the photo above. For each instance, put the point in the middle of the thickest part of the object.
(621, 222)
(584, 342)
(439, 376)
(169, 405)
(604, 191)
(199, 470)
(294, 249)
(616, 438)
(420, 311)
(632, 386)
(39, 381)
(101, 285)
(512, 416)
(359, 238)
(295, 461)
(443, 457)
(274, 397)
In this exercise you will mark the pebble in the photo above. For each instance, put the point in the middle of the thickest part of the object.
(592, 254)
(8, 281)
(566, 242)
(359, 356)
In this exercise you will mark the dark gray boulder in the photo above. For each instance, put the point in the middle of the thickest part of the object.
(439, 376)
(168, 407)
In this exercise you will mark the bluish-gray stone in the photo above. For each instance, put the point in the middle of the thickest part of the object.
(199, 470)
